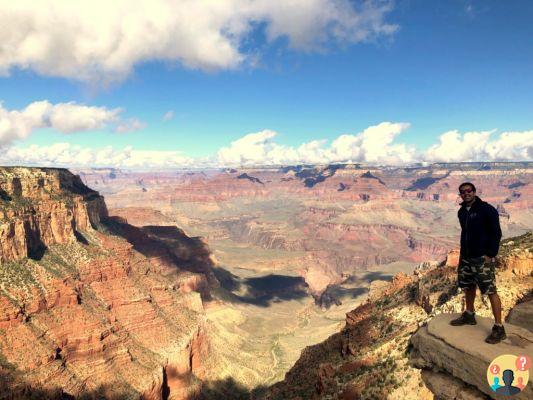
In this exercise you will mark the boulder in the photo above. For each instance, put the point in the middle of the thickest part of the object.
(522, 315)
(461, 352)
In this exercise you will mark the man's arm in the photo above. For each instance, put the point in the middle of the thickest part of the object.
(494, 231)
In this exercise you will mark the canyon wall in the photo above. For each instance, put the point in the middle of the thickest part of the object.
(92, 306)
(41, 207)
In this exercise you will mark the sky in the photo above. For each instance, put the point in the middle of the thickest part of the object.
(192, 83)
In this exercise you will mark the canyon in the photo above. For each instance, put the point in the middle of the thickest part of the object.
(398, 344)
(224, 283)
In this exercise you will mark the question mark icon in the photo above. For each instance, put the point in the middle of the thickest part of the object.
(495, 369)
(523, 362)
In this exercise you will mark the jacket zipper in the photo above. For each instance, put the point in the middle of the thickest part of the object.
(466, 232)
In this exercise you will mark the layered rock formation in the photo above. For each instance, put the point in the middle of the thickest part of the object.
(43, 207)
(92, 306)
(346, 218)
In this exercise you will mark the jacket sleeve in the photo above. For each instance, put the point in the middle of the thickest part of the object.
(494, 231)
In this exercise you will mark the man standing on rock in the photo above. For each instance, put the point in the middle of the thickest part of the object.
(480, 241)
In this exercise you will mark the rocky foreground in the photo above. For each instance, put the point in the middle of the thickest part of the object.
(398, 345)
(454, 361)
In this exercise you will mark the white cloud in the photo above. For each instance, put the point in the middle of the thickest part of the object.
(477, 146)
(251, 148)
(168, 115)
(374, 145)
(101, 41)
(511, 146)
(63, 117)
(72, 117)
(130, 125)
(67, 155)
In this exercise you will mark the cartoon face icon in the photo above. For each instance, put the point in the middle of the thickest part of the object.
(508, 374)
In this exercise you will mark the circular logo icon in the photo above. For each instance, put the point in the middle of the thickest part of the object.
(508, 374)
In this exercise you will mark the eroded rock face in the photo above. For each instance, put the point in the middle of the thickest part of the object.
(449, 387)
(40, 207)
(462, 352)
(106, 309)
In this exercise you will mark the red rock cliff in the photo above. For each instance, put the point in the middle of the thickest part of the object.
(40, 207)
(91, 306)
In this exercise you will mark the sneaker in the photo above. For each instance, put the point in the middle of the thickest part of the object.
(497, 335)
(464, 319)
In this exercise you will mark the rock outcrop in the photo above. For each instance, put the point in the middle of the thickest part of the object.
(522, 315)
(40, 207)
(91, 306)
(462, 353)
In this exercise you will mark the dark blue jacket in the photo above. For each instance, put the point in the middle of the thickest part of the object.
(480, 229)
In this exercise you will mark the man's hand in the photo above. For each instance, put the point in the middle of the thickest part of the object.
(488, 259)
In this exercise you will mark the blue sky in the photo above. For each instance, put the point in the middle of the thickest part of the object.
(440, 66)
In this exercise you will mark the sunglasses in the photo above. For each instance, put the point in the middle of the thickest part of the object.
(465, 191)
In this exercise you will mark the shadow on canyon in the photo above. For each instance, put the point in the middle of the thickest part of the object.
(261, 291)
(172, 246)
(368, 277)
(273, 288)
(230, 389)
(12, 388)
(168, 244)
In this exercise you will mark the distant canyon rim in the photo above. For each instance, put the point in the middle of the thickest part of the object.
(296, 248)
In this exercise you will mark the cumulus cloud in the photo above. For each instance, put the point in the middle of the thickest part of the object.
(376, 145)
(373, 145)
(63, 117)
(67, 155)
(168, 115)
(72, 117)
(250, 149)
(478, 146)
(101, 41)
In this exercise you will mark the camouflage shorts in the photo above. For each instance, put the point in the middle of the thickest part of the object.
(474, 271)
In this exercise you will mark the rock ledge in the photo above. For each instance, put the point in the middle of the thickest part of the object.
(461, 352)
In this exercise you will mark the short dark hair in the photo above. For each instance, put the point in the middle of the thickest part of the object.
(467, 184)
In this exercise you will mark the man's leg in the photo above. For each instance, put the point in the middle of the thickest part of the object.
(470, 296)
(496, 305)
(487, 285)
(466, 281)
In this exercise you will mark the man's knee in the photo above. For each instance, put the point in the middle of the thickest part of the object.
(470, 289)
(488, 288)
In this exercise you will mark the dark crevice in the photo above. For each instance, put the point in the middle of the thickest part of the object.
(165, 389)
(4, 196)
(80, 238)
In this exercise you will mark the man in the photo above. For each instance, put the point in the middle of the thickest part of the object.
(480, 241)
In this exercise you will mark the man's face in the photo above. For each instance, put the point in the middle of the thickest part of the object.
(467, 193)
